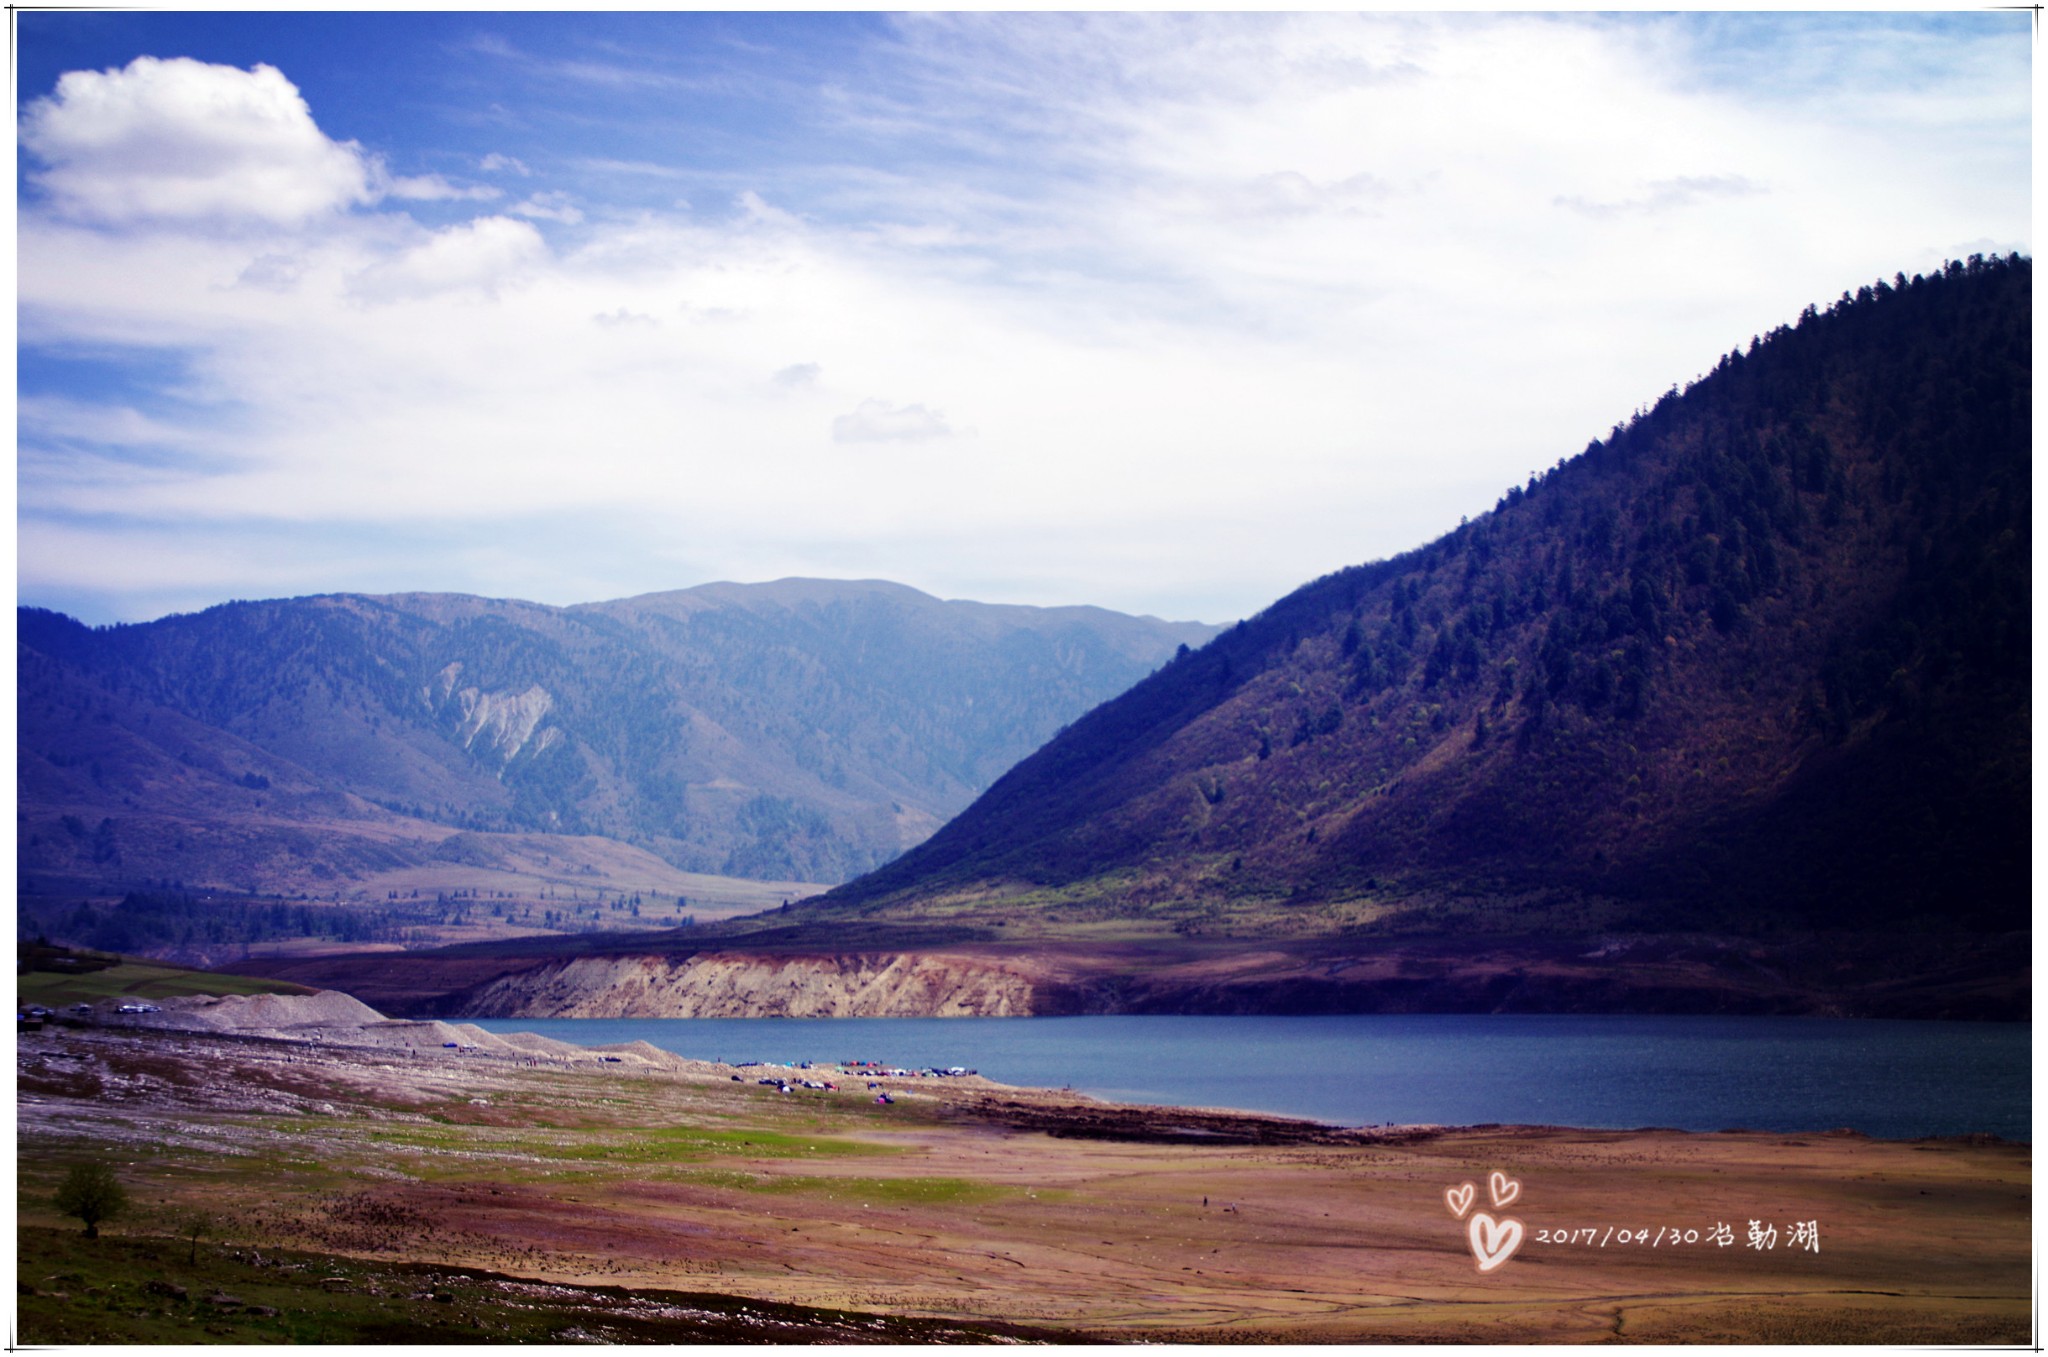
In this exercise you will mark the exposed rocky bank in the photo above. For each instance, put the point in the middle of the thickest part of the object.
(1818, 975)
(724, 985)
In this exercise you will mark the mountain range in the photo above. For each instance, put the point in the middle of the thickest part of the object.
(1731, 711)
(798, 731)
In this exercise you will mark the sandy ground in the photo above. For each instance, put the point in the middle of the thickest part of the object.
(963, 1199)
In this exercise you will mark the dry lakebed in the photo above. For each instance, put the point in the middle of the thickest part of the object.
(300, 1169)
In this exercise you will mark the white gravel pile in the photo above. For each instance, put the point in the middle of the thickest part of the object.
(265, 1012)
(332, 1017)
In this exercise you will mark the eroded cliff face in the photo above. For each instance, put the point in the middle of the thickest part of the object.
(931, 985)
(1695, 973)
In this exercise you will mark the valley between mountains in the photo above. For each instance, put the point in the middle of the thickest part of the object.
(1730, 712)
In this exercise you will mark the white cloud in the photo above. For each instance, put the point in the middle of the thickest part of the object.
(495, 163)
(179, 139)
(1232, 301)
(758, 212)
(1288, 193)
(647, 168)
(880, 422)
(477, 256)
(272, 273)
(432, 188)
(549, 207)
(1666, 195)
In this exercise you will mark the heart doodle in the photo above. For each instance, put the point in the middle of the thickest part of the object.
(1459, 1199)
(1493, 1241)
(1505, 1189)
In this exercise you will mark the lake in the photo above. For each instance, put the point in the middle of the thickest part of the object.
(1893, 1079)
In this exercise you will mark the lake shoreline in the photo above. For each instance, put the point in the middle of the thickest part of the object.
(1888, 1078)
(1058, 1112)
(972, 1202)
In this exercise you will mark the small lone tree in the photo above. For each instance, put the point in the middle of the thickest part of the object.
(195, 1225)
(92, 1193)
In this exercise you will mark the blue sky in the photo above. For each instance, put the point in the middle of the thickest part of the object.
(1167, 313)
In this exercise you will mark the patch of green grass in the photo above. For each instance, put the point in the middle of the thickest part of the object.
(895, 1191)
(142, 980)
(883, 1191)
(659, 1145)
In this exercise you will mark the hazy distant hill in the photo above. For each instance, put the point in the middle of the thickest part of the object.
(1758, 659)
(801, 730)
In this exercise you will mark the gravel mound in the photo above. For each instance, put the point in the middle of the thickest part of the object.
(266, 1012)
(334, 1018)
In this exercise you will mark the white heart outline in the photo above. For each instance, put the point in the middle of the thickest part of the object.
(1460, 1199)
(1502, 1238)
(1505, 1190)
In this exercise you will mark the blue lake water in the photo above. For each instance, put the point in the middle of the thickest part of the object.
(1884, 1078)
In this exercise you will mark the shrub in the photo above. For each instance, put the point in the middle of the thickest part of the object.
(93, 1194)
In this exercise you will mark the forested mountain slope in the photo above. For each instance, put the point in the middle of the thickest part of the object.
(1758, 659)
